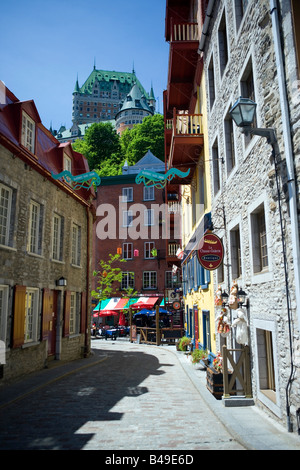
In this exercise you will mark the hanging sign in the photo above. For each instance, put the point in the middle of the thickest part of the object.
(210, 251)
(85, 180)
(159, 180)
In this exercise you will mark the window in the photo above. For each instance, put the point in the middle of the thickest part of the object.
(240, 7)
(127, 218)
(236, 259)
(127, 280)
(73, 313)
(216, 169)
(211, 83)
(76, 245)
(57, 237)
(148, 193)
(223, 45)
(247, 91)
(266, 363)
(35, 220)
(229, 144)
(148, 217)
(67, 163)
(149, 280)
(148, 247)
(31, 315)
(171, 279)
(127, 194)
(5, 213)
(259, 240)
(28, 132)
(127, 250)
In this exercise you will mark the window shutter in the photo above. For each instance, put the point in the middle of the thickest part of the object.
(67, 307)
(19, 316)
(83, 313)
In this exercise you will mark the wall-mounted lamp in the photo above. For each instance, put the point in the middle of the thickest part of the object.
(61, 282)
(225, 297)
(242, 301)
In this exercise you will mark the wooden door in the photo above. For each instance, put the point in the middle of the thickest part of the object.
(49, 319)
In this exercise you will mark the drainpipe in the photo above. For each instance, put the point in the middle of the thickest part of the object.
(208, 16)
(87, 322)
(291, 176)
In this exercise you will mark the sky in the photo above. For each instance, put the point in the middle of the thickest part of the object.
(46, 44)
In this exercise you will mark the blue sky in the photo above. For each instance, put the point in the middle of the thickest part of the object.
(45, 44)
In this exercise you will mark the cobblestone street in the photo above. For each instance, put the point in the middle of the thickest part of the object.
(133, 397)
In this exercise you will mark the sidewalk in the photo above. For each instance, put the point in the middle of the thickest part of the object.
(247, 424)
(250, 426)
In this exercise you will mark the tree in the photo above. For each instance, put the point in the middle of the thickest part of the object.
(109, 277)
(149, 135)
(101, 146)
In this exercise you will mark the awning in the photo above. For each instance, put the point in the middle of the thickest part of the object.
(101, 305)
(145, 302)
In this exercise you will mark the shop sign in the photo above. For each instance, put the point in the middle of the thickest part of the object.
(210, 251)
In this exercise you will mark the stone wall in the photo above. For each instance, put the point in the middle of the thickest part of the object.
(251, 184)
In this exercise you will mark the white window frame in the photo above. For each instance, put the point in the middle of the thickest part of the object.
(28, 132)
(57, 238)
(149, 193)
(127, 281)
(75, 245)
(148, 217)
(267, 274)
(149, 280)
(127, 247)
(127, 218)
(127, 194)
(5, 219)
(73, 313)
(148, 246)
(31, 315)
(33, 245)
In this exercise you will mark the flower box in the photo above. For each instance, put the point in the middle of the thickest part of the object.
(214, 382)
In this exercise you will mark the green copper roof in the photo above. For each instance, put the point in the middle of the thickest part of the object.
(105, 76)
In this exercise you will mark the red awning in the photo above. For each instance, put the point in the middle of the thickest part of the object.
(145, 302)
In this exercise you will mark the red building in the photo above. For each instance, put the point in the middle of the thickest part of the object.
(131, 219)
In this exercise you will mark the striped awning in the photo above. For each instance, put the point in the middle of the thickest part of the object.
(145, 302)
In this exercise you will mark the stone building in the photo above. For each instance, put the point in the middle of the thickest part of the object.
(249, 49)
(45, 244)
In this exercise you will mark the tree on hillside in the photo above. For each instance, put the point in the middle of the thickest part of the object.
(149, 135)
(101, 147)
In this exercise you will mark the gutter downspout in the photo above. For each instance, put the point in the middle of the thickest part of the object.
(290, 173)
(208, 16)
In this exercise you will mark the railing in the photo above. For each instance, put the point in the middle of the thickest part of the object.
(188, 124)
(240, 372)
(184, 32)
(172, 249)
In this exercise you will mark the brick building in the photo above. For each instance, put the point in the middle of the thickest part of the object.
(131, 218)
(46, 236)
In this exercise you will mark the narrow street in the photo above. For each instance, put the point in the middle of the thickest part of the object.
(132, 397)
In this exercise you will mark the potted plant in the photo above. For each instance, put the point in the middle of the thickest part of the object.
(184, 343)
(200, 355)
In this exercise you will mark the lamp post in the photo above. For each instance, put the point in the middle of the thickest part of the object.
(242, 113)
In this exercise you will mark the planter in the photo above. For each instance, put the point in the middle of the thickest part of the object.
(214, 382)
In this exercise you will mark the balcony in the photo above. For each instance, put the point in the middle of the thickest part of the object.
(172, 248)
(184, 142)
(183, 60)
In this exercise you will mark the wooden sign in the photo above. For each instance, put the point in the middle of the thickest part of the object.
(210, 251)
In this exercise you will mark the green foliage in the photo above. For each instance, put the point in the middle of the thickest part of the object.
(109, 277)
(106, 151)
(184, 342)
(198, 355)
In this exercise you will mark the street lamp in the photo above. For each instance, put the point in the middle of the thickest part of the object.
(242, 113)
(61, 282)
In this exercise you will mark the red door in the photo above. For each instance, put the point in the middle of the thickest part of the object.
(196, 323)
(49, 319)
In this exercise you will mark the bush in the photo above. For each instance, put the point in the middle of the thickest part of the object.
(184, 342)
(198, 355)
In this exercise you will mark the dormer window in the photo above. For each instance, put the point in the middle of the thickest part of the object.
(28, 132)
(67, 165)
